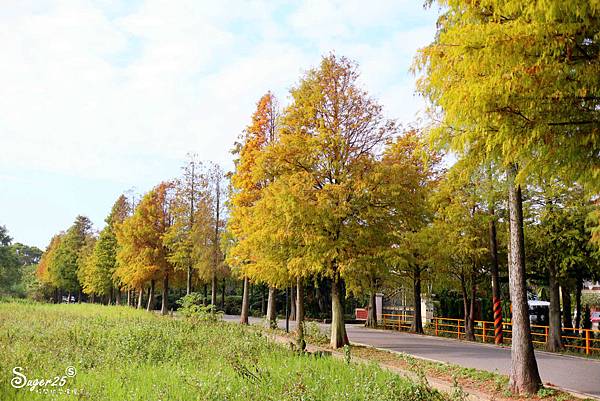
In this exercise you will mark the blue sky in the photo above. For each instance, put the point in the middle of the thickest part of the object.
(101, 96)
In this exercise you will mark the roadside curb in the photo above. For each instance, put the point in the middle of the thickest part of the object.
(489, 345)
(552, 386)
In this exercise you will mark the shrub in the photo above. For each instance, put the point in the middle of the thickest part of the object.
(191, 307)
(314, 334)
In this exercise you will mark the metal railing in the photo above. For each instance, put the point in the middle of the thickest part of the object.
(582, 340)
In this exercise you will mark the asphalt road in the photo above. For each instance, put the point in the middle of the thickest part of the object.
(577, 374)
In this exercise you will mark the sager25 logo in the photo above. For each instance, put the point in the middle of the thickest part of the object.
(20, 380)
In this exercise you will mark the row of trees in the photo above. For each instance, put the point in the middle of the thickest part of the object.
(171, 236)
(326, 190)
(303, 208)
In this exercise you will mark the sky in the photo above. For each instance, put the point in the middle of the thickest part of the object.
(102, 96)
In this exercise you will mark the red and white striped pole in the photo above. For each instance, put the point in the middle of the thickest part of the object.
(495, 279)
(498, 338)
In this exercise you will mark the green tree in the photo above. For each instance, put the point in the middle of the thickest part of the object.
(9, 263)
(518, 83)
(460, 226)
(96, 273)
(412, 170)
(65, 263)
(24, 278)
(191, 194)
(216, 196)
(27, 255)
(561, 249)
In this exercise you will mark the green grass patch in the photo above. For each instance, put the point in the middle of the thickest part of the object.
(123, 354)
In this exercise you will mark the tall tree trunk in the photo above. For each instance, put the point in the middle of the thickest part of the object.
(188, 287)
(93, 298)
(524, 374)
(293, 303)
(205, 294)
(192, 172)
(245, 302)
(117, 296)
(300, 307)
(111, 295)
(319, 298)
(272, 308)
(213, 289)
(586, 322)
(300, 313)
(566, 305)
(150, 306)
(473, 300)
(263, 304)
(128, 297)
(69, 297)
(578, 289)
(213, 296)
(338, 327)
(469, 335)
(223, 295)
(79, 295)
(553, 342)
(372, 310)
(417, 323)
(140, 295)
(496, 298)
(164, 309)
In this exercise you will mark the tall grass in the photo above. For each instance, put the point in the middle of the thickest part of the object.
(123, 354)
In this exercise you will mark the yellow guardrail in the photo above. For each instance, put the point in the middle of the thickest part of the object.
(585, 340)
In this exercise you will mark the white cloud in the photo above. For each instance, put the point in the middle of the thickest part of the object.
(93, 93)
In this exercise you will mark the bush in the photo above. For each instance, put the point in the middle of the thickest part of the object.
(233, 305)
(590, 299)
(191, 307)
(313, 333)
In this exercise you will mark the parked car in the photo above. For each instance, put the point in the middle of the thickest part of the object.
(539, 312)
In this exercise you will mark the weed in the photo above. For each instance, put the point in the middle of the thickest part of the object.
(192, 307)
(458, 393)
(545, 392)
(314, 334)
(347, 355)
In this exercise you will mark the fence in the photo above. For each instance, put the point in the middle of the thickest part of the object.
(582, 340)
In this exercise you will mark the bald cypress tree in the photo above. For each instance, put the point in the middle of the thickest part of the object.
(518, 83)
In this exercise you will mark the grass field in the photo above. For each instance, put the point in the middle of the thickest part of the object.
(123, 354)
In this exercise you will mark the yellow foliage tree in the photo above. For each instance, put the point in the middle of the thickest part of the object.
(143, 254)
